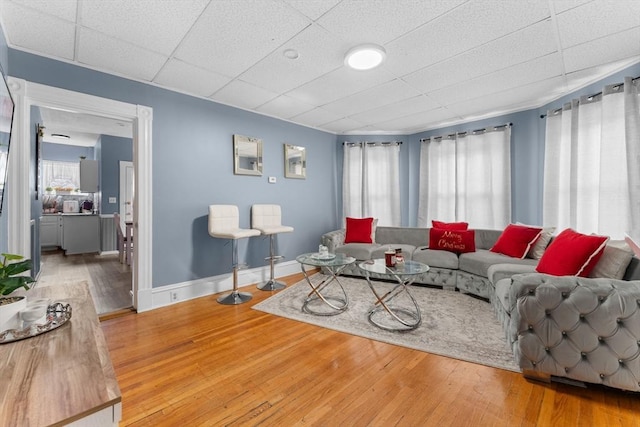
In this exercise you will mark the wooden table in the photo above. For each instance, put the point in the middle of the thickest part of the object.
(61, 376)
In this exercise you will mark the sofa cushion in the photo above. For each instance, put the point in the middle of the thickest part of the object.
(498, 272)
(407, 250)
(478, 262)
(436, 258)
(516, 240)
(360, 251)
(485, 238)
(359, 230)
(460, 226)
(614, 261)
(572, 254)
(452, 240)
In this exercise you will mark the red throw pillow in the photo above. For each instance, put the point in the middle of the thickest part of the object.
(450, 225)
(359, 230)
(572, 254)
(516, 240)
(458, 241)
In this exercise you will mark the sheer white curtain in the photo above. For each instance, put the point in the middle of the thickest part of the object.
(437, 198)
(591, 178)
(60, 174)
(467, 177)
(371, 182)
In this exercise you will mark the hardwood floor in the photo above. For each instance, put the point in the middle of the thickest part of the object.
(202, 363)
(109, 280)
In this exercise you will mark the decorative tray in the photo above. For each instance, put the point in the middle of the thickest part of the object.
(323, 257)
(57, 315)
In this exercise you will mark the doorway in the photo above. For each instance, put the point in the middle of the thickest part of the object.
(27, 94)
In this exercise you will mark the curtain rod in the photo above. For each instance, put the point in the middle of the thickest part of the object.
(372, 142)
(588, 97)
(472, 132)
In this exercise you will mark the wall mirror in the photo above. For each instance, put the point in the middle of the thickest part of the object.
(295, 162)
(247, 155)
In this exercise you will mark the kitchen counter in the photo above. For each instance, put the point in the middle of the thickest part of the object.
(63, 375)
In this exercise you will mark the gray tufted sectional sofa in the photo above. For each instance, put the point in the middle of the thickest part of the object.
(584, 329)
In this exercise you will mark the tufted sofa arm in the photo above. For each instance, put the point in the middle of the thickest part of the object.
(333, 239)
(579, 328)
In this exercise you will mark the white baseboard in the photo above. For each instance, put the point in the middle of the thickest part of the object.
(175, 293)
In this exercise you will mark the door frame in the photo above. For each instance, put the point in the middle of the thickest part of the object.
(122, 165)
(27, 94)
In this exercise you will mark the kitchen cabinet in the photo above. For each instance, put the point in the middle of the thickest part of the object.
(50, 231)
(81, 233)
(88, 176)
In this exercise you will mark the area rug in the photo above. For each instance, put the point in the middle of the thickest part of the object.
(453, 324)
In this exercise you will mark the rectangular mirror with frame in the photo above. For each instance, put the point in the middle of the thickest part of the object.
(295, 162)
(247, 155)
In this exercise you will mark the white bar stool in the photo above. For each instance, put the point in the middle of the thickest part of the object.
(267, 219)
(224, 223)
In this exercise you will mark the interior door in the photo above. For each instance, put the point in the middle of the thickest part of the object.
(126, 191)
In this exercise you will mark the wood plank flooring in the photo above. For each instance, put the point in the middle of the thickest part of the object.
(199, 363)
(109, 280)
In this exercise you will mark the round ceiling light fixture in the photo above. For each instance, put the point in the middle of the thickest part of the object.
(365, 57)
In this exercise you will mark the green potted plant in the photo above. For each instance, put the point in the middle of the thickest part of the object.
(10, 280)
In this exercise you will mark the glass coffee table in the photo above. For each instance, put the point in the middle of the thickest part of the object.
(325, 304)
(398, 318)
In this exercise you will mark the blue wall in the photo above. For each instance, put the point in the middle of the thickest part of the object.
(113, 150)
(193, 168)
(63, 152)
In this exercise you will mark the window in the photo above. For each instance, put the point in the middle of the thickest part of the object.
(60, 176)
(371, 182)
(591, 177)
(466, 177)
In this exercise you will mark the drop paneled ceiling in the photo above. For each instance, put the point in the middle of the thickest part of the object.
(448, 61)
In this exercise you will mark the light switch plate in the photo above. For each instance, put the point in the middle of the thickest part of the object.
(112, 200)
(272, 180)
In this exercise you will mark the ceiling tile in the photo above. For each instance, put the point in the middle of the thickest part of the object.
(597, 19)
(151, 24)
(562, 5)
(342, 126)
(285, 107)
(528, 96)
(316, 117)
(581, 78)
(420, 120)
(473, 24)
(405, 107)
(338, 84)
(313, 9)
(190, 79)
(37, 31)
(603, 50)
(319, 52)
(386, 93)
(97, 50)
(493, 56)
(381, 21)
(512, 77)
(65, 9)
(231, 36)
(242, 94)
